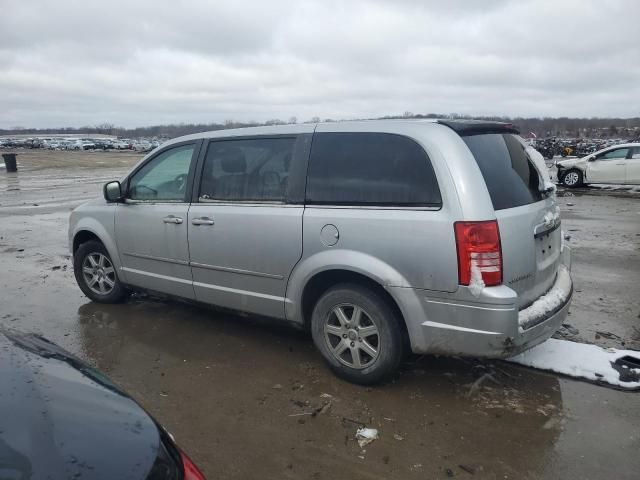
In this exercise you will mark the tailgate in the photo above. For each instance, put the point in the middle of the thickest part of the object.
(528, 219)
(531, 248)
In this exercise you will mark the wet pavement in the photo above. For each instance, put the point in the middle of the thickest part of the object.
(248, 399)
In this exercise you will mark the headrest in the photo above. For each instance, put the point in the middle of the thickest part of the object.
(233, 161)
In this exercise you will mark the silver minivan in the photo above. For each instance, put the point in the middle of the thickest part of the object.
(380, 237)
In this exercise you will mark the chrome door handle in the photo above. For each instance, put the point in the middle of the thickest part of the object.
(172, 219)
(202, 221)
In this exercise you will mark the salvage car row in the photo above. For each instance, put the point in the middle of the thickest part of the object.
(66, 143)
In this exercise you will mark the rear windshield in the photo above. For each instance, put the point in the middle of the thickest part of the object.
(511, 178)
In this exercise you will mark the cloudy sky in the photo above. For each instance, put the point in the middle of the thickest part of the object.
(143, 62)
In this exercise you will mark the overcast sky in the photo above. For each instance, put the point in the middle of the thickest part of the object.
(136, 63)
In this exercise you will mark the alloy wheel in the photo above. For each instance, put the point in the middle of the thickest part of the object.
(352, 336)
(98, 273)
(571, 179)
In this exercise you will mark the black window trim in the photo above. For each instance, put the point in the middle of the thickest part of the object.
(371, 205)
(197, 143)
(295, 188)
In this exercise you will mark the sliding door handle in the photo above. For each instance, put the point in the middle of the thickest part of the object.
(202, 221)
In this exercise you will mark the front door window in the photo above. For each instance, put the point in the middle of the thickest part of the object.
(164, 178)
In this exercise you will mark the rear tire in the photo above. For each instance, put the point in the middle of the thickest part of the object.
(363, 344)
(572, 178)
(96, 275)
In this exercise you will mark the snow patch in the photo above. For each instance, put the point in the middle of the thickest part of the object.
(580, 360)
(548, 302)
(543, 171)
(477, 283)
(552, 217)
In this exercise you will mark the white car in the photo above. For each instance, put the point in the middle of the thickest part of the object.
(618, 164)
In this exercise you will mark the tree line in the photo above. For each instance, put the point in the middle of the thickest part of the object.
(541, 127)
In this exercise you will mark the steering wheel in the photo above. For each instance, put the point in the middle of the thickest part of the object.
(180, 182)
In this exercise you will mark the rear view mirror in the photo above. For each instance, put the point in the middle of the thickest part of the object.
(112, 191)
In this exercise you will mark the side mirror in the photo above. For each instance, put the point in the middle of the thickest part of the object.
(112, 191)
(592, 159)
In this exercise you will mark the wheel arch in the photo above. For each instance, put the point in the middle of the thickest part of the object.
(316, 275)
(88, 229)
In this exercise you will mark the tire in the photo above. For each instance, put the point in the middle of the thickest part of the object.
(365, 358)
(572, 178)
(91, 261)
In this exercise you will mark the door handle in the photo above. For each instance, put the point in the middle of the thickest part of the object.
(172, 219)
(619, 163)
(202, 221)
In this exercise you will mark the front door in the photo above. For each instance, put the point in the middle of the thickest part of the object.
(608, 167)
(151, 224)
(632, 171)
(245, 236)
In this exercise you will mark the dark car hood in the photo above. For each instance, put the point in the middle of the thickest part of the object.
(61, 419)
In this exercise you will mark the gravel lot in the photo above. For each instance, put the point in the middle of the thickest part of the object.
(249, 400)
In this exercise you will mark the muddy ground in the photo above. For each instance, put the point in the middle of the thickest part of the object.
(249, 400)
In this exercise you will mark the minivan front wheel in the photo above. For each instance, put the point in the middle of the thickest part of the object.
(358, 334)
(573, 178)
(96, 274)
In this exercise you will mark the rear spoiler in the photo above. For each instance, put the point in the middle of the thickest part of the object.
(478, 127)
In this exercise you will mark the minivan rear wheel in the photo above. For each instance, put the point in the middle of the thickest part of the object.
(358, 334)
(96, 275)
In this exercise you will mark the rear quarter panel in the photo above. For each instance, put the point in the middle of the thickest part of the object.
(397, 247)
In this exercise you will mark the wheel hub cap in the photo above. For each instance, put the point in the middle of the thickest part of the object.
(98, 273)
(352, 336)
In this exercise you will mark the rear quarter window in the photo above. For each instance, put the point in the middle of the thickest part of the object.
(370, 169)
(511, 178)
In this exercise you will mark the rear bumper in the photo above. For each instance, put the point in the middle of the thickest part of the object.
(492, 326)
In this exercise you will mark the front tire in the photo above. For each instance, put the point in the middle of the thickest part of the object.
(573, 178)
(96, 275)
(358, 334)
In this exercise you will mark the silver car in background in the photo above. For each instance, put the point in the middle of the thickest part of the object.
(379, 237)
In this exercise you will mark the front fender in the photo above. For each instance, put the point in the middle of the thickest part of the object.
(336, 259)
(102, 225)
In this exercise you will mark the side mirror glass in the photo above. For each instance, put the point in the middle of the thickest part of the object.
(112, 191)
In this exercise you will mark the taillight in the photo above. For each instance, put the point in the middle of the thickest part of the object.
(191, 472)
(479, 252)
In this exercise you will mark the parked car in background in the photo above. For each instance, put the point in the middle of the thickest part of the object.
(142, 146)
(60, 418)
(619, 164)
(122, 145)
(380, 237)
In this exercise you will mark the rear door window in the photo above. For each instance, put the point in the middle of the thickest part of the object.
(376, 169)
(511, 178)
(247, 170)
